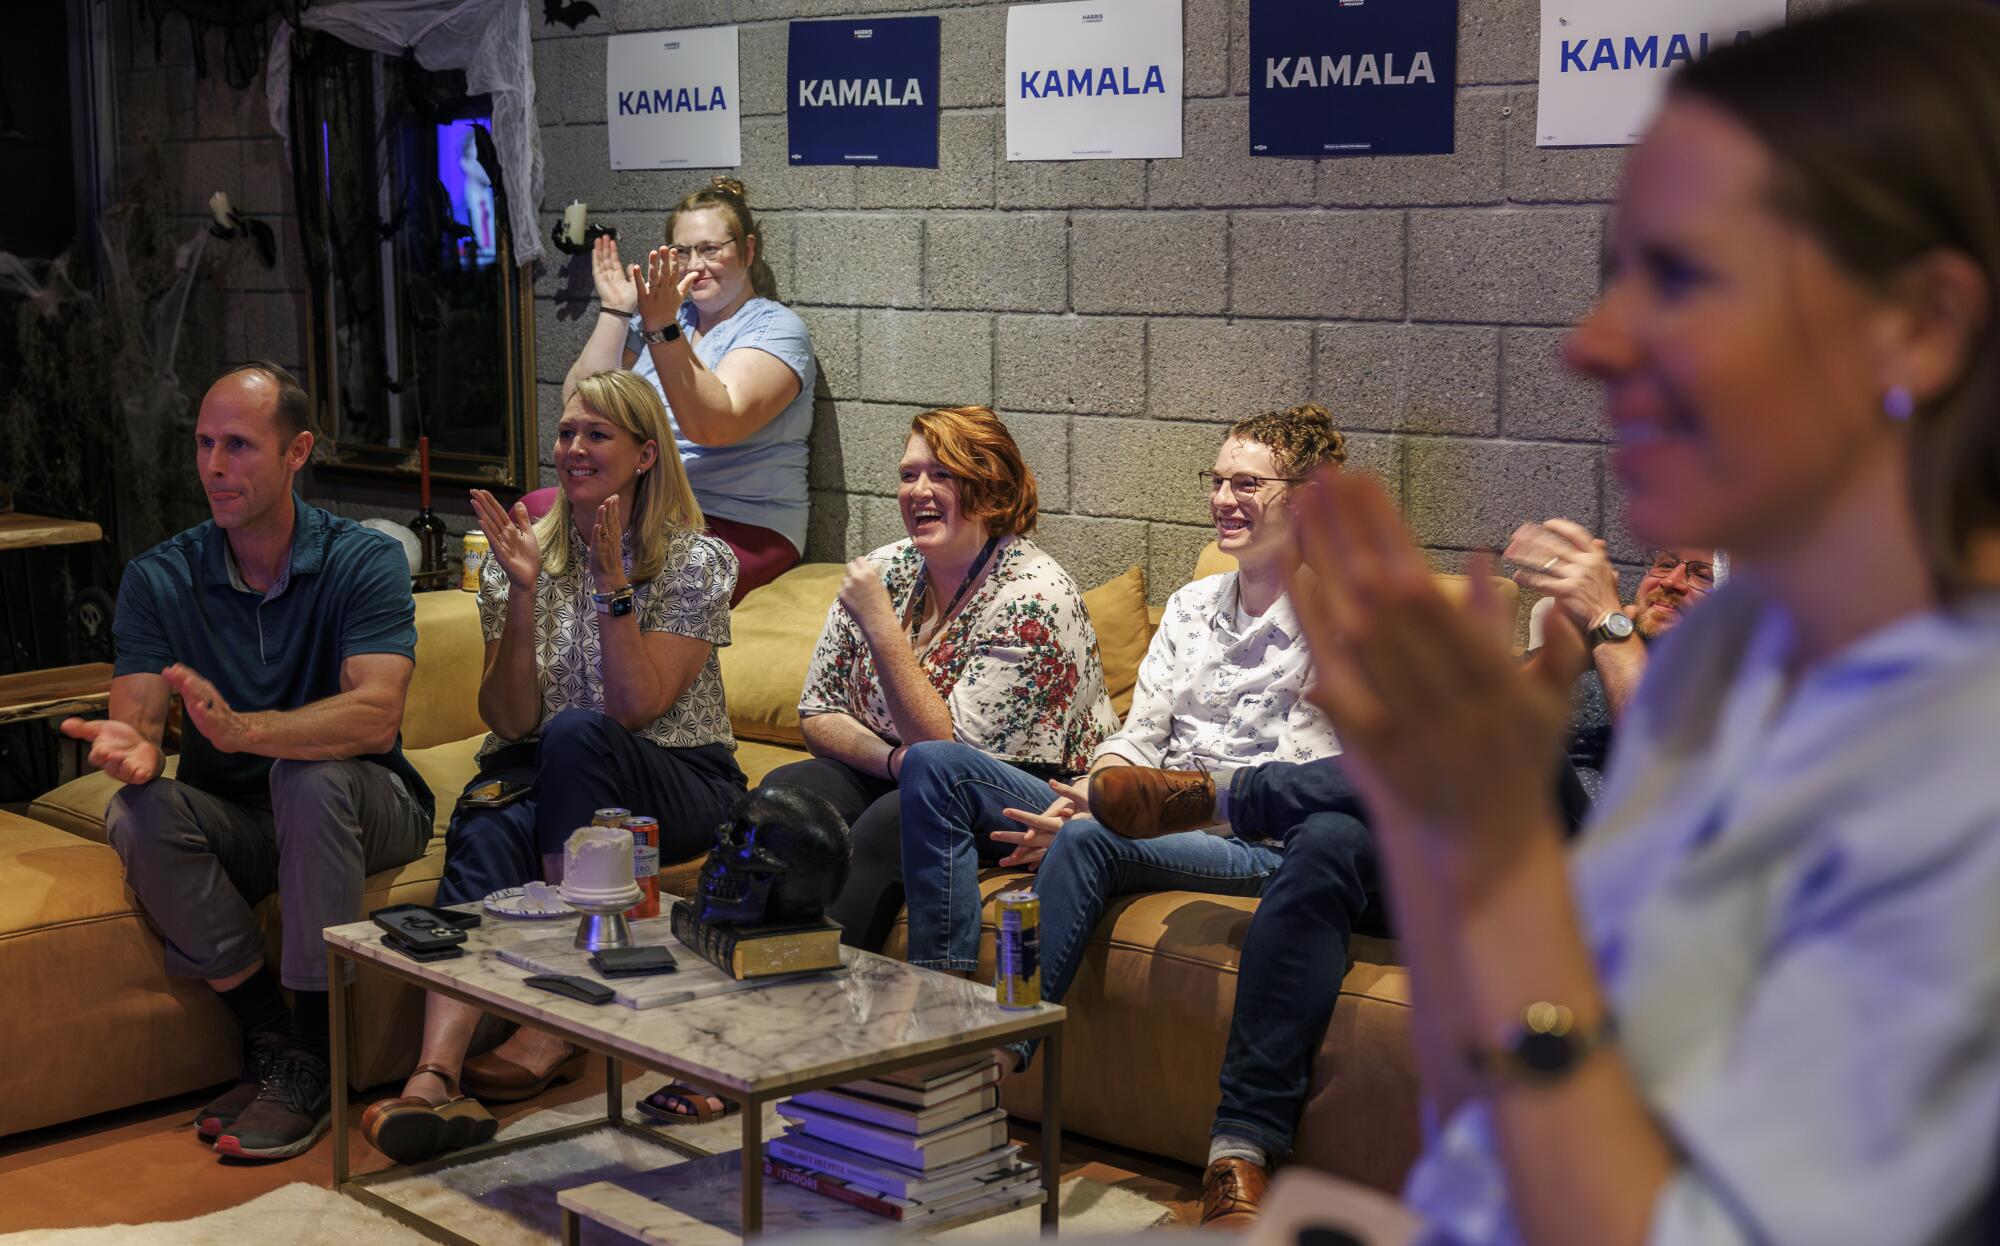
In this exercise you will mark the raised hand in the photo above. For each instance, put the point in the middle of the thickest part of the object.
(663, 287)
(116, 748)
(1561, 558)
(1442, 728)
(615, 287)
(510, 536)
(867, 598)
(207, 711)
(607, 547)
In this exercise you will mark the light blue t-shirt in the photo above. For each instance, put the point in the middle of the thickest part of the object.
(760, 480)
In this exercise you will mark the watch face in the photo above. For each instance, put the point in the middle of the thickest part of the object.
(1545, 1054)
(621, 605)
(1615, 626)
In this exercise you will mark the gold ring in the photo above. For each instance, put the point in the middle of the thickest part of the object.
(1553, 560)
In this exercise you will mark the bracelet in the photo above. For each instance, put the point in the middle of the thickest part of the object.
(890, 764)
(616, 311)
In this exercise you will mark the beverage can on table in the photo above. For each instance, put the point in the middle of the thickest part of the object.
(476, 550)
(613, 816)
(645, 864)
(1017, 976)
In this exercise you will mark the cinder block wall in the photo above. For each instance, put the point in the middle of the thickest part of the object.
(1119, 313)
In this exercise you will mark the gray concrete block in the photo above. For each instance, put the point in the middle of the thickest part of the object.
(1225, 370)
(1323, 265)
(1239, 47)
(1090, 364)
(236, 266)
(1471, 174)
(1044, 442)
(775, 235)
(591, 29)
(567, 278)
(762, 67)
(1001, 261)
(560, 334)
(1527, 267)
(548, 414)
(1205, 33)
(1473, 494)
(972, 58)
(631, 15)
(205, 166)
(1540, 397)
(267, 179)
(273, 326)
(1141, 469)
(931, 359)
(1066, 183)
(148, 106)
(1171, 551)
(1499, 41)
(1173, 263)
(1410, 378)
(1092, 550)
(1216, 168)
(1384, 457)
(221, 111)
(569, 82)
(1556, 174)
(847, 259)
(773, 181)
(1625, 544)
(856, 446)
(576, 164)
(840, 527)
(836, 340)
(963, 179)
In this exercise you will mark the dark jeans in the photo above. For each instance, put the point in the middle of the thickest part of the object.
(952, 796)
(583, 762)
(866, 907)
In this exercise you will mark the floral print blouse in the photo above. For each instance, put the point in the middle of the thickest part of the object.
(1017, 666)
(689, 597)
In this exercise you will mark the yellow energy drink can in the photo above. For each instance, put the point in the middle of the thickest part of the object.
(1017, 978)
(613, 816)
(476, 550)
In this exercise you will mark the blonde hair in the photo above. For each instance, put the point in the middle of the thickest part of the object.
(662, 502)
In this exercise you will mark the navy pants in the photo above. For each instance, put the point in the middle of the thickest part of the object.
(583, 762)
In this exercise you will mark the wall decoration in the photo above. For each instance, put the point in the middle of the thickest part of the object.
(1357, 78)
(671, 99)
(1606, 62)
(1094, 80)
(863, 92)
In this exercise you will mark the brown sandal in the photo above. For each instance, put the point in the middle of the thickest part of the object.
(411, 1130)
(655, 1106)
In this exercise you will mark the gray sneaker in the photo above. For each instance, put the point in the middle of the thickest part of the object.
(293, 1107)
(220, 1112)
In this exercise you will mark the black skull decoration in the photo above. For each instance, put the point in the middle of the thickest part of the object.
(779, 860)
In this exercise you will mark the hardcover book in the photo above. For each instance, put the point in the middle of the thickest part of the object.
(757, 951)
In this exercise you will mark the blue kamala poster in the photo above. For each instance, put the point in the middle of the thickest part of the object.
(864, 92)
(1352, 77)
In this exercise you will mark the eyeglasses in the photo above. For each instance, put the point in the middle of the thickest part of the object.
(706, 252)
(1243, 486)
(1700, 575)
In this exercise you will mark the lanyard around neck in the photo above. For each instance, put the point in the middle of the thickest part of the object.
(923, 589)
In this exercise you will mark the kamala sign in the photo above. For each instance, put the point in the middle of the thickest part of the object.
(671, 99)
(1097, 80)
(1605, 63)
(1357, 78)
(864, 92)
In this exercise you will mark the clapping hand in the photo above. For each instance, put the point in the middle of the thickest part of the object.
(1032, 843)
(1561, 558)
(116, 748)
(616, 288)
(607, 547)
(511, 537)
(208, 712)
(663, 287)
(1443, 730)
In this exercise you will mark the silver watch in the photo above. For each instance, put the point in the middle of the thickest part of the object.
(1611, 626)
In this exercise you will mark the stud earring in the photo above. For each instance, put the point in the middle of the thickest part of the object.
(1897, 403)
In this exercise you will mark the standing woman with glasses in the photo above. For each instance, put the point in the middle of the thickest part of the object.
(701, 322)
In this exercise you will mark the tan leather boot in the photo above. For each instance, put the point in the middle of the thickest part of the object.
(1140, 802)
(1232, 1194)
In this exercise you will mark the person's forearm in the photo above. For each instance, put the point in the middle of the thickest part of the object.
(919, 712)
(510, 690)
(704, 410)
(604, 351)
(1620, 665)
(348, 724)
(632, 692)
(842, 738)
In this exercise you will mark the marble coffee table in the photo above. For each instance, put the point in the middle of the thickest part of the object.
(749, 1046)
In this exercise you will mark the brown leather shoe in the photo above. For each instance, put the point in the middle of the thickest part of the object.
(494, 1078)
(1139, 802)
(1232, 1194)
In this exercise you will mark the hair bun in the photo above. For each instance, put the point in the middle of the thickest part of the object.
(728, 186)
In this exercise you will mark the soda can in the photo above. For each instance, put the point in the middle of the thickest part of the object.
(476, 550)
(645, 864)
(614, 816)
(1017, 976)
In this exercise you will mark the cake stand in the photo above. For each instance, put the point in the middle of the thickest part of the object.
(603, 924)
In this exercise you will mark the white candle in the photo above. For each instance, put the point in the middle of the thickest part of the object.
(573, 219)
(218, 207)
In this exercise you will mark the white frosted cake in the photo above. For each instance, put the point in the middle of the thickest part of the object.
(597, 868)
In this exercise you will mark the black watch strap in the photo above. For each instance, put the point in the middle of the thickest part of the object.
(1546, 1046)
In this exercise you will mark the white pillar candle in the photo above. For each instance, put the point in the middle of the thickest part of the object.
(573, 220)
(218, 207)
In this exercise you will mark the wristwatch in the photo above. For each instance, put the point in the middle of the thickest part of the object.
(1544, 1046)
(665, 333)
(614, 604)
(1613, 625)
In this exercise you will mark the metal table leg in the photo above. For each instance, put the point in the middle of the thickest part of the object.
(336, 1012)
(1052, 1131)
(753, 1168)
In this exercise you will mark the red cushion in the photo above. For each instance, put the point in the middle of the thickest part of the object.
(540, 502)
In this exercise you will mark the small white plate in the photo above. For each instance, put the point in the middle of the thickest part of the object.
(512, 902)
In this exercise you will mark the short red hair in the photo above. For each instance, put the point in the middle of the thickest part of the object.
(994, 481)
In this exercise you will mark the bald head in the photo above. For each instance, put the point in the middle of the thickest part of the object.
(265, 387)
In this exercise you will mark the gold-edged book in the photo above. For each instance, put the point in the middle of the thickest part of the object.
(757, 951)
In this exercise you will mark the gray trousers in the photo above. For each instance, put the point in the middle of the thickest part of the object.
(200, 862)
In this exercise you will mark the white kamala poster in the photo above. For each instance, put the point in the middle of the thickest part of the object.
(1605, 63)
(670, 96)
(1095, 80)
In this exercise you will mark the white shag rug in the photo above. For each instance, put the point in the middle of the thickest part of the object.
(510, 1200)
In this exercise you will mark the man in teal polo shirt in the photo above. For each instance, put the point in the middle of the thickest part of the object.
(290, 635)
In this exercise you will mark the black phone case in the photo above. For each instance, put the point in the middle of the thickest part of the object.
(395, 944)
(418, 928)
(633, 962)
(582, 990)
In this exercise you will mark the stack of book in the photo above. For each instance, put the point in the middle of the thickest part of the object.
(910, 1146)
(757, 951)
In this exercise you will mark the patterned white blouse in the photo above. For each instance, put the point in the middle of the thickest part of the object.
(1017, 665)
(689, 597)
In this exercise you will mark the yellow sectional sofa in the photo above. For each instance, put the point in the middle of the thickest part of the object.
(1150, 1008)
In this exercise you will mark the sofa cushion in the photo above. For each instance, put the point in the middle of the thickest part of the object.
(772, 634)
(443, 702)
(1117, 610)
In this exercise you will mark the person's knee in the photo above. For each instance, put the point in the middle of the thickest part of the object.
(313, 796)
(146, 819)
(928, 767)
(572, 736)
(1331, 846)
(1080, 840)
